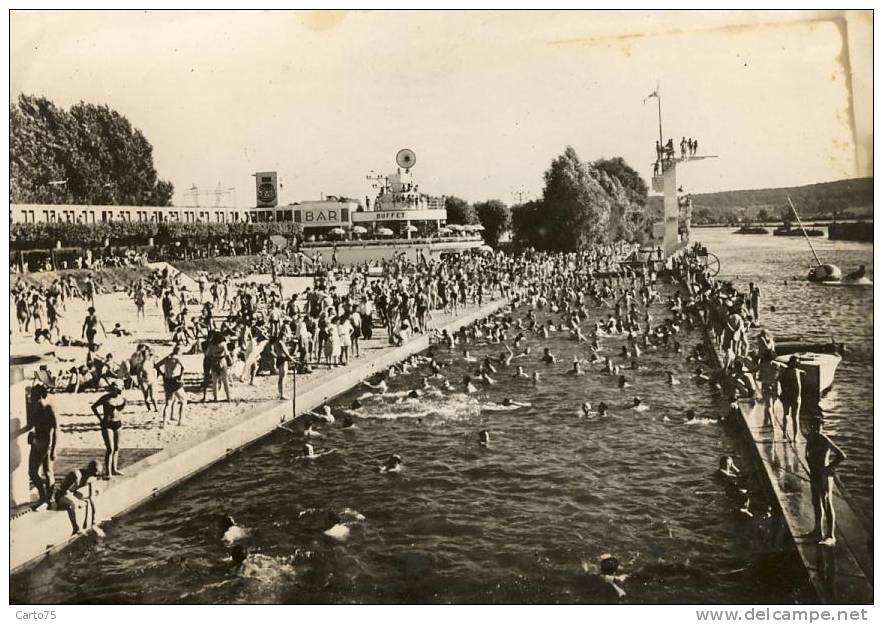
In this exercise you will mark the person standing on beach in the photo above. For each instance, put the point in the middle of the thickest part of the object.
(44, 434)
(172, 371)
(111, 404)
(90, 327)
(822, 457)
(791, 386)
(282, 356)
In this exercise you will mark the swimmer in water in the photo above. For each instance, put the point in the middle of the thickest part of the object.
(519, 373)
(672, 380)
(379, 386)
(727, 468)
(468, 386)
(586, 410)
(623, 383)
(699, 377)
(484, 438)
(607, 579)
(326, 414)
(413, 394)
(536, 378)
(487, 379)
(548, 357)
(231, 532)
(467, 357)
(639, 406)
(603, 410)
(393, 463)
(577, 369)
(446, 385)
(508, 402)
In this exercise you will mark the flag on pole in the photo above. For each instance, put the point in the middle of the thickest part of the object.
(655, 94)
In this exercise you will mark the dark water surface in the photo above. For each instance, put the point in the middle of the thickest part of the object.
(513, 523)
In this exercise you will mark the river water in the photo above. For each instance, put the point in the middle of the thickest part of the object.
(513, 523)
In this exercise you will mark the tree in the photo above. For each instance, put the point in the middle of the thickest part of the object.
(496, 218)
(88, 155)
(575, 204)
(459, 211)
(632, 182)
(528, 226)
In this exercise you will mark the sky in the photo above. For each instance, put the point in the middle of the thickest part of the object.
(485, 99)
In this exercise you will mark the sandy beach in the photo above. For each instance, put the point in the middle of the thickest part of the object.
(143, 433)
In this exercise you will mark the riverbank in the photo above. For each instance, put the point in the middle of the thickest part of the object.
(156, 459)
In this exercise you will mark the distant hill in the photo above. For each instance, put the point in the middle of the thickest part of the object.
(827, 200)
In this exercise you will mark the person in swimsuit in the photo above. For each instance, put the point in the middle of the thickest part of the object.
(172, 371)
(281, 355)
(768, 377)
(90, 327)
(110, 405)
(76, 492)
(147, 379)
(822, 457)
(791, 386)
(44, 433)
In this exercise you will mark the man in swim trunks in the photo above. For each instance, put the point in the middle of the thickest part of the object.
(791, 385)
(822, 457)
(75, 492)
(172, 371)
(768, 377)
(44, 434)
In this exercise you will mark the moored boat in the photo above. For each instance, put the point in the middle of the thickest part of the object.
(787, 230)
(751, 229)
(819, 361)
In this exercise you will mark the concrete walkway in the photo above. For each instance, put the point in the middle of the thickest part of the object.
(38, 534)
(842, 574)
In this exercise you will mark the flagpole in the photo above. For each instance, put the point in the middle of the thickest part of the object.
(659, 108)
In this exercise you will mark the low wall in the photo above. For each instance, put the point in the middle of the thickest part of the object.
(357, 254)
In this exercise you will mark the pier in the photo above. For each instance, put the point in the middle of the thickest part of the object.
(842, 574)
(35, 535)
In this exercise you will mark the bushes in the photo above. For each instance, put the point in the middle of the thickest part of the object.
(45, 235)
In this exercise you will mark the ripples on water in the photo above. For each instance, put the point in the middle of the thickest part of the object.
(513, 523)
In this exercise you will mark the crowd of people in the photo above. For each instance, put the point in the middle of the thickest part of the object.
(665, 153)
(250, 325)
(728, 315)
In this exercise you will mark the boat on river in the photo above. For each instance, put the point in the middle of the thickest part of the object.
(819, 362)
(787, 230)
(751, 229)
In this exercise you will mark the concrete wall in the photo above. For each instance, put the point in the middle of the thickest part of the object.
(357, 254)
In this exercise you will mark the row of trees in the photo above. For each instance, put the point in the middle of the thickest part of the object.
(493, 215)
(23, 236)
(87, 155)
